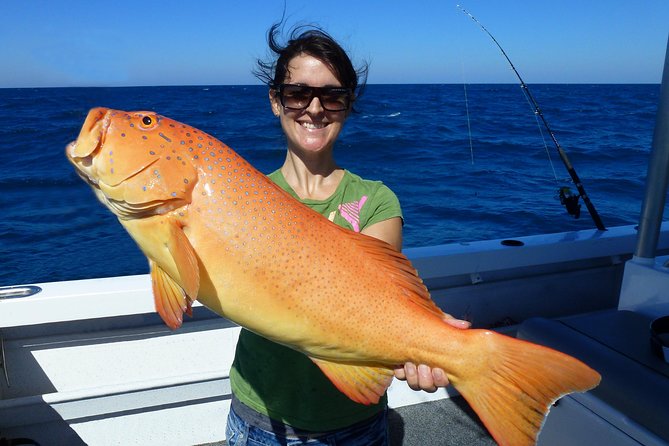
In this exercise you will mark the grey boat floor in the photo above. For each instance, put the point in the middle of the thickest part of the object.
(447, 422)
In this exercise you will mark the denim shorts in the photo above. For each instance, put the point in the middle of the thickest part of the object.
(372, 432)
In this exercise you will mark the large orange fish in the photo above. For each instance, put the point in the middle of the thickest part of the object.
(217, 230)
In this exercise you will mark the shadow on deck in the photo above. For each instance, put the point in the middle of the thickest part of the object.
(447, 422)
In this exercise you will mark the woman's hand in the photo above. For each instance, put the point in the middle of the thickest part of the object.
(422, 377)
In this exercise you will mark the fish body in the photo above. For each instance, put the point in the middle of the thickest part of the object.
(217, 230)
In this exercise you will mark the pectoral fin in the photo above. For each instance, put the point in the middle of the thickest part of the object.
(174, 298)
(363, 384)
(175, 270)
(170, 299)
(186, 261)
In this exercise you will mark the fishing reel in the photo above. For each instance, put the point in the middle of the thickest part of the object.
(570, 201)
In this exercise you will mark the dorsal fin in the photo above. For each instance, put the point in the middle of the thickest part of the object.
(397, 268)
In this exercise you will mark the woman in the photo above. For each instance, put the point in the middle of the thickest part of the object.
(279, 395)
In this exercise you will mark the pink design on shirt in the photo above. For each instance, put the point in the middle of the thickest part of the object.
(351, 212)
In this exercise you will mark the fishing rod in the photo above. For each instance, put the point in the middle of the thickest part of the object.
(567, 198)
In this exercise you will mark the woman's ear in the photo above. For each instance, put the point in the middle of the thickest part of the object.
(274, 102)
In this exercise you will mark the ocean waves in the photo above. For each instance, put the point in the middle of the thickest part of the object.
(485, 174)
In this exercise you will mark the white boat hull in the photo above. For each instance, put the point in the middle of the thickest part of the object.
(89, 362)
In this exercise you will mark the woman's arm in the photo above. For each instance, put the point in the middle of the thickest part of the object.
(390, 231)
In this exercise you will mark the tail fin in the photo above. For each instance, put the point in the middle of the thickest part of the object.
(516, 384)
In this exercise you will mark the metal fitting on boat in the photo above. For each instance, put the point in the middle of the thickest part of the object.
(3, 360)
(13, 292)
(659, 337)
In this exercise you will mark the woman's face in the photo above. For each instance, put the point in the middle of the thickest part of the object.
(311, 131)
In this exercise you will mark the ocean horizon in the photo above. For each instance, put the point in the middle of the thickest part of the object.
(459, 84)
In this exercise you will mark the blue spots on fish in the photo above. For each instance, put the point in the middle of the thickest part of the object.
(111, 162)
(164, 137)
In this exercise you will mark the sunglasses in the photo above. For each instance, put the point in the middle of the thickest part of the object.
(298, 97)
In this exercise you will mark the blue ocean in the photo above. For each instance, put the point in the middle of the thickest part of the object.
(467, 162)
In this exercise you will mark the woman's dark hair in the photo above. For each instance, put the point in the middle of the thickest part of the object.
(317, 43)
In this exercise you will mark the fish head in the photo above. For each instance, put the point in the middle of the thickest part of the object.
(135, 162)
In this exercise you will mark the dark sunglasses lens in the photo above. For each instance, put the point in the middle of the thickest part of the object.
(295, 96)
(298, 97)
(335, 99)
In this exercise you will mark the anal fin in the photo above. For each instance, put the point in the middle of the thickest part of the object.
(363, 384)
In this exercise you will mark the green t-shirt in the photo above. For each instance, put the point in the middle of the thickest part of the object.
(284, 384)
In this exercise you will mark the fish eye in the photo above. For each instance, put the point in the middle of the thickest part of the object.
(148, 121)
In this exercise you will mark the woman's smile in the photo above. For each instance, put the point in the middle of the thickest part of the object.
(312, 125)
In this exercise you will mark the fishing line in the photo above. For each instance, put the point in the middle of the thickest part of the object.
(469, 126)
(464, 86)
(567, 198)
(543, 139)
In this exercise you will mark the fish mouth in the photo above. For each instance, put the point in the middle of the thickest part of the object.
(83, 167)
(125, 210)
(130, 211)
(91, 138)
(81, 153)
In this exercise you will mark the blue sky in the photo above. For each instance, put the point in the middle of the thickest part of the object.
(177, 42)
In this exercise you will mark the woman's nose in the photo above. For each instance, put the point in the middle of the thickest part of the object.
(315, 106)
